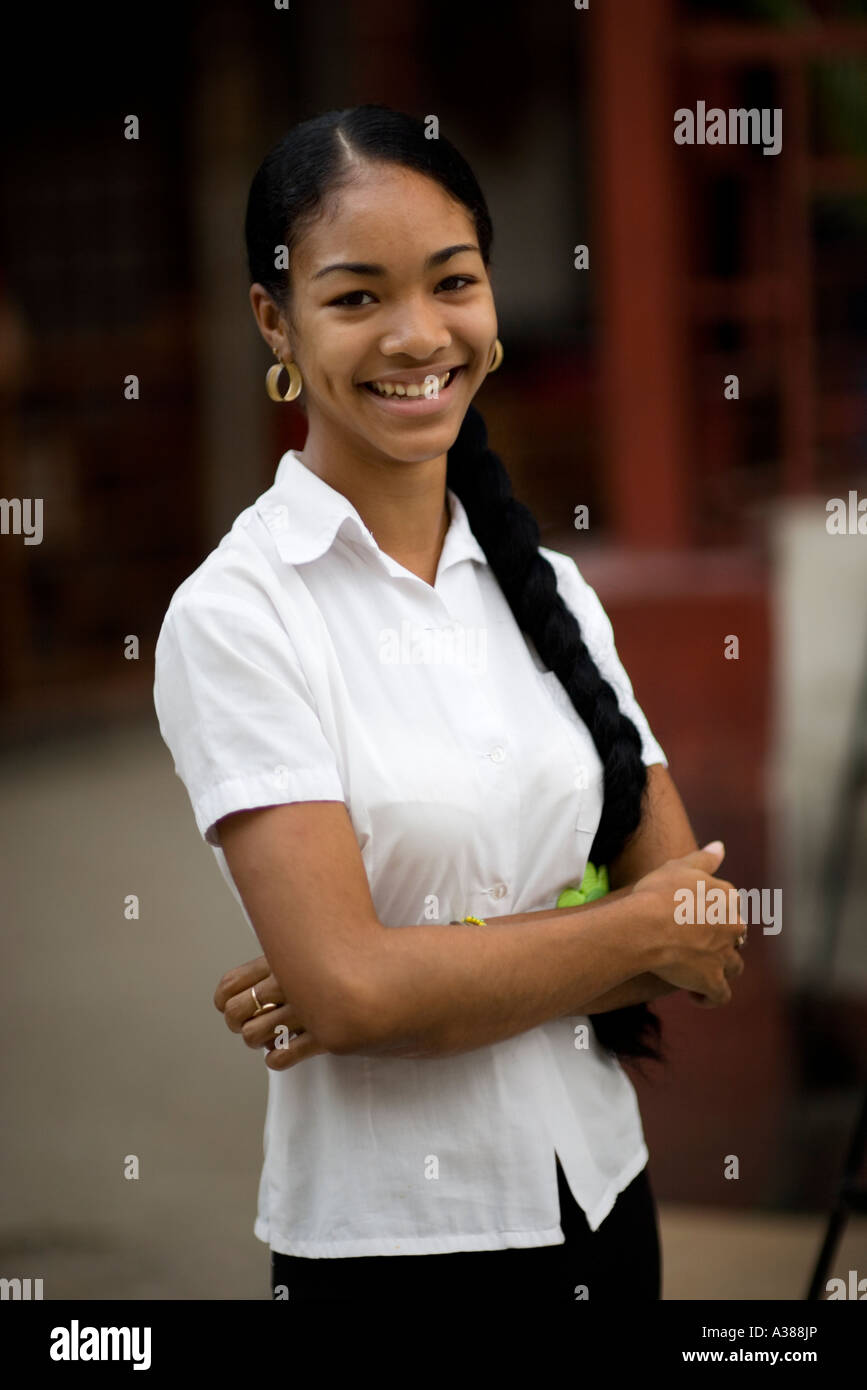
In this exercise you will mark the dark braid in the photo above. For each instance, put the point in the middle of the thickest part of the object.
(313, 160)
(509, 535)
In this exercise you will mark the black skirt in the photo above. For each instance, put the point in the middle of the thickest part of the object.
(621, 1260)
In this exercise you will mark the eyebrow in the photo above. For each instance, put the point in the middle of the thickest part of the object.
(362, 268)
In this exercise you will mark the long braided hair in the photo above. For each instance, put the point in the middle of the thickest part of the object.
(312, 160)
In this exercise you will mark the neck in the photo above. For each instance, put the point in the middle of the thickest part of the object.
(403, 504)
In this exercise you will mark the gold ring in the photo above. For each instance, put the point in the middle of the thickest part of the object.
(260, 1008)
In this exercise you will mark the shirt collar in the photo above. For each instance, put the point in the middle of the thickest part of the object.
(304, 514)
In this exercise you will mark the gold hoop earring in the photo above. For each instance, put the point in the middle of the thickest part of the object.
(498, 357)
(295, 381)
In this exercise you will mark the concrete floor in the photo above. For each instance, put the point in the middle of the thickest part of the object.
(113, 1048)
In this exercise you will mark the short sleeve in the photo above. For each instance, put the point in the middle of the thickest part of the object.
(236, 711)
(598, 634)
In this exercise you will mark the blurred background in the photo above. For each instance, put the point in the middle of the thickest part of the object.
(707, 521)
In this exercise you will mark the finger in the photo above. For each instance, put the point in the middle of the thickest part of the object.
(259, 1031)
(296, 1050)
(241, 978)
(737, 919)
(716, 996)
(732, 898)
(708, 858)
(243, 1006)
(699, 999)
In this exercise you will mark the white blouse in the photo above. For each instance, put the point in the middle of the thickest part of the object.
(300, 662)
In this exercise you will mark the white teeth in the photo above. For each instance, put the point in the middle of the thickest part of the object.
(391, 388)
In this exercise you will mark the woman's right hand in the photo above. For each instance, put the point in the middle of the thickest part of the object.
(258, 1028)
(699, 957)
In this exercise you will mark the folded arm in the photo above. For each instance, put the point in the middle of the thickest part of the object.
(370, 990)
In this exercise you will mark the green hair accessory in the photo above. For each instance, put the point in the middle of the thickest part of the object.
(594, 885)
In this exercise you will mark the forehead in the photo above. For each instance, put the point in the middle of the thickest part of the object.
(388, 214)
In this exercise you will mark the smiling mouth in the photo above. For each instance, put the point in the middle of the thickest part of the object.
(398, 391)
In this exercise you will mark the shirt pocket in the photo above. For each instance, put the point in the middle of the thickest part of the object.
(589, 771)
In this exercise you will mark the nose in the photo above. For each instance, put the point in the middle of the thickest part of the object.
(416, 329)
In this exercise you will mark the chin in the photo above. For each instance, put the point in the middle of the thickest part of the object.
(415, 443)
(432, 445)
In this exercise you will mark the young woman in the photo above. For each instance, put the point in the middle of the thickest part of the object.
(405, 730)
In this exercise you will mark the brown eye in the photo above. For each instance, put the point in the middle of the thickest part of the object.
(450, 279)
(345, 299)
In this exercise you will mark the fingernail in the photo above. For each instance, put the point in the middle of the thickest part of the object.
(715, 847)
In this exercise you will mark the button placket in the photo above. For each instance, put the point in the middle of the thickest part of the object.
(588, 764)
(504, 780)
(591, 795)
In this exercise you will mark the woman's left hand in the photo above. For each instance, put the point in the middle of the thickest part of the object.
(279, 1029)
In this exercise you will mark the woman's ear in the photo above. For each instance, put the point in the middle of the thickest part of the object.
(268, 318)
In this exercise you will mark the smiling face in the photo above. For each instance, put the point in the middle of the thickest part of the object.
(389, 287)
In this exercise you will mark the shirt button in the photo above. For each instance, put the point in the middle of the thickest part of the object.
(499, 890)
(497, 754)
